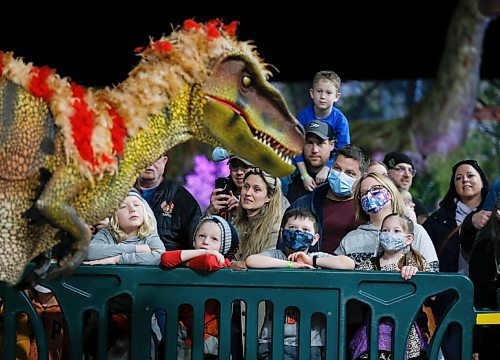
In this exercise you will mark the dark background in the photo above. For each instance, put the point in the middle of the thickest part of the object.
(93, 42)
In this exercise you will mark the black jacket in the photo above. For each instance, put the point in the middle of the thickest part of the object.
(177, 213)
(439, 225)
(314, 202)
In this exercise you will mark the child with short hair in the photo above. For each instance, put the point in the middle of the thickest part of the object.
(299, 231)
(395, 239)
(215, 242)
(324, 94)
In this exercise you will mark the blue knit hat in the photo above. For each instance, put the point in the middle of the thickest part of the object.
(229, 235)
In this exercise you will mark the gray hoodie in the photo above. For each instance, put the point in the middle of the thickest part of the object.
(103, 245)
(362, 244)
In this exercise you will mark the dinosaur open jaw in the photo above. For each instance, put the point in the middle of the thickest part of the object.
(280, 150)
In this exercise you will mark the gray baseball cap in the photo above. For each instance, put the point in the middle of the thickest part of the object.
(319, 128)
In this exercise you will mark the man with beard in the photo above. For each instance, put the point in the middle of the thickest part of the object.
(333, 202)
(177, 212)
(318, 147)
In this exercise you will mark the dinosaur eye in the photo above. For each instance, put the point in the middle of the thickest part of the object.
(246, 81)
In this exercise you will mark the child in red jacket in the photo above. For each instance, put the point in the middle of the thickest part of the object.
(214, 241)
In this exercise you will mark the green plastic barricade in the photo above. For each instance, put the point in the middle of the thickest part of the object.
(310, 291)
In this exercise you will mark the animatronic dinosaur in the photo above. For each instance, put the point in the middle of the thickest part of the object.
(69, 155)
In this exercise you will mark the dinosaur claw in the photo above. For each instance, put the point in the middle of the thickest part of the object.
(42, 263)
(68, 265)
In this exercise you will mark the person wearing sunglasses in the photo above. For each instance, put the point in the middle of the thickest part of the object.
(402, 171)
(259, 214)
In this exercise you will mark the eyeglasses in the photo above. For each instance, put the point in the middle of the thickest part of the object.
(401, 170)
(374, 189)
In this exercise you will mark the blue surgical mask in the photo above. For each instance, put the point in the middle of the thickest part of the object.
(297, 240)
(340, 183)
(392, 241)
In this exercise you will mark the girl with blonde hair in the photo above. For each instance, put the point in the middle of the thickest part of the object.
(130, 238)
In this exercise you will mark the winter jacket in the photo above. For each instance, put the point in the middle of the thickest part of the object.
(177, 213)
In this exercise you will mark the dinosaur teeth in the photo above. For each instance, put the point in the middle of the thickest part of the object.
(280, 150)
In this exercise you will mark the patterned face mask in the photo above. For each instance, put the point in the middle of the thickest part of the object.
(340, 183)
(392, 241)
(297, 240)
(374, 200)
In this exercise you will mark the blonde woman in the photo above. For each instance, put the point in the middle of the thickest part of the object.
(376, 197)
(130, 238)
(260, 212)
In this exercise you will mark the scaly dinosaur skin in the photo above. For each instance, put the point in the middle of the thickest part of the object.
(53, 178)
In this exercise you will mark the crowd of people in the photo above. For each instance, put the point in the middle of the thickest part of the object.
(338, 210)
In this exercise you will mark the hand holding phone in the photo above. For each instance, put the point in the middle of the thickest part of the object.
(223, 183)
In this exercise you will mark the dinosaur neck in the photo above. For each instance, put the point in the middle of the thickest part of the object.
(150, 88)
(181, 121)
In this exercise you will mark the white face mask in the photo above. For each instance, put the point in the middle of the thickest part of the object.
(392, 241)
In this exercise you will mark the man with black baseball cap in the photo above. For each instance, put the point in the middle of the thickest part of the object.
(317, 150)
(402, 171)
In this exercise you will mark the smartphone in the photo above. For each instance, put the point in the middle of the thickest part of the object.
(223, 183)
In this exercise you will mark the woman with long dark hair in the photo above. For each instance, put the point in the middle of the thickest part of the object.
(466, 193)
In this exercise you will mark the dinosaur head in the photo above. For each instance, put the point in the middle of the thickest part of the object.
(249, 117)
(224, 81)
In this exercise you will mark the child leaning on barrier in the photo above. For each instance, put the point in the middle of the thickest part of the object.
(131, 237)
(395, 239)
(215, 242)
(299, 231)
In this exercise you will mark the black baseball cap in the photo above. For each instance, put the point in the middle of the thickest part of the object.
(234, 158)
(319, 128)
